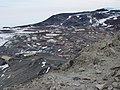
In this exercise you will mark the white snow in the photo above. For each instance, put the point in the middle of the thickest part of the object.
(112, 9)
(78, 16)
(2, 42)
(2, 75)
(114, 18)
(65, 20)
(59, 50)
(5, 37)
(51, 41)
(44, 47)
(61, 24)
(9, 76)
(109, 26)
(4, 66)
(90, 20)
(102, 21)
(23, 32)
(69, 17)
(43, 64)
(48, 69)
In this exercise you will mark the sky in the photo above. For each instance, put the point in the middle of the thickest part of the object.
(22, 12)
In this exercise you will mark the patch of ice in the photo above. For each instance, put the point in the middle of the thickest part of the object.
(4, 66)
(43, 64)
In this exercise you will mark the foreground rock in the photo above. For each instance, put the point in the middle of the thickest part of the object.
(97, 67)
(21, 69)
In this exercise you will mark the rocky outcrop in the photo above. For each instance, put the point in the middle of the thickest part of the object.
(78, 48)
(97, 67)
(24, 67)
(101, 18)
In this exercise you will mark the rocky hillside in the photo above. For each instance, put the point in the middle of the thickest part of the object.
(100, 19)
(68, 51)
(96, 67)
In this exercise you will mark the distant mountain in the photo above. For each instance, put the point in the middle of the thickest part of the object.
(100, 18)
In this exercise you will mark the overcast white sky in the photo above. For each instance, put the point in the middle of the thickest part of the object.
(19, 12)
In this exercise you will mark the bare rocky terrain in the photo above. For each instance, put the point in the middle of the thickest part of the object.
(97, 67)
(68, 51)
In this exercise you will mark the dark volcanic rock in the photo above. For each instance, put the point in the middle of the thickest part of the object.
(2, 62)
(100, 18)
(23, 69)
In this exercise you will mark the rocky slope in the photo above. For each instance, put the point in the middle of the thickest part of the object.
(96, 67)
(62, 44)
(101, 19)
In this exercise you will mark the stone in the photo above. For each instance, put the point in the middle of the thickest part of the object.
(102, 45)
(25, 69)
(53, 88)
(116, 84)
(115, 67)
(28, 54)
(6, 58)
(118, 73)
(81, 69)
(100, 86)
(76, 78)
(86, 78)
(67, 65)
(98, 72)
(2, 62)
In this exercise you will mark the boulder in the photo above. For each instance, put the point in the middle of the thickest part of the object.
(2, 62)
(6, 58)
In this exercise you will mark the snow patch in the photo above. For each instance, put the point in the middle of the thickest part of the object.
(5, 38)
(102, 21)
(43, 64)
(69, 17)
(9, 76)
(4, 66)
(48, 69)
(2, 75)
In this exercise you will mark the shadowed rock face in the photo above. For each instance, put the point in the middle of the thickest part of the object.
(23, 69)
